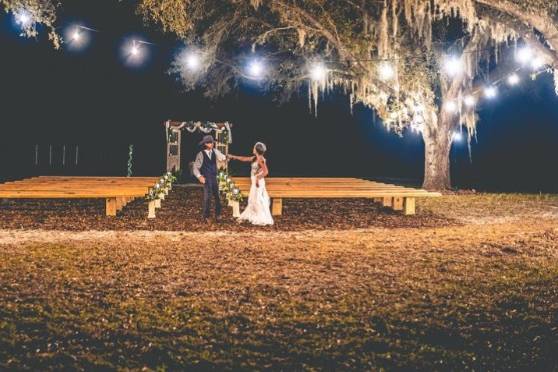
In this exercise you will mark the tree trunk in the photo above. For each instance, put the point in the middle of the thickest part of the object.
(437, 145)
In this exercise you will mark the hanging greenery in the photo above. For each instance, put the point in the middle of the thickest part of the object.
(162, 187)
(173, 136)
(228, 187)
(394, 56)
(130, 158)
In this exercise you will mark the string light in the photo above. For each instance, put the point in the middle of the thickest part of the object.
(469, 101)
(134, 53)
(490, 92)
(453, 66)
(386, 71)
(450, 106)
(524, 55)
(318, 72)
(513, 79)
(76, 36)
(192, 61)
(134, 49)
(537, 63)
(23, 18)
(256, 69)
(457, 137)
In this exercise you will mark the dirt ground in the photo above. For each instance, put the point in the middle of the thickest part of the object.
(182, 212)
(471, 283)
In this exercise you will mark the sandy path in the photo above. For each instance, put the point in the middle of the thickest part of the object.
(468, 232)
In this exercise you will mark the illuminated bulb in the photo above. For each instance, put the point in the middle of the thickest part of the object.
(450, 106)
(318, 72)
(453, 66)
(524, 55)
(255, 69)
(76, 36)
(457, 137)
(192, 61)
(23, 18)
(537, 63)
(134, 51)
(513, 79)
(490, 92)
(386, 71)
(469, 101)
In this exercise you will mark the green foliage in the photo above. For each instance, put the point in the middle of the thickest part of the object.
(165, 183)
(129, 172)
(228, 188)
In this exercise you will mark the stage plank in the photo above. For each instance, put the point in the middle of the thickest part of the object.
(397, 197)
(116, 191)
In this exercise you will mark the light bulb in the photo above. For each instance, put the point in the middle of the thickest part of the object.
(386, 71)
(469, 100)
(318, 72)
(491, 92)
(453, 66)
(513, 79)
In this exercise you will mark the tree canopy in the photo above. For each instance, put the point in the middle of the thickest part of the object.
(357, 39)
(390, 55)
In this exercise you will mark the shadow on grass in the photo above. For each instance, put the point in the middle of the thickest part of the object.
(510, 324)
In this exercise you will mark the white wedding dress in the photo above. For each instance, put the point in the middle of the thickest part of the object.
(257, 212)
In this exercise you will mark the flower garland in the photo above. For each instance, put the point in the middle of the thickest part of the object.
(228, 187)
(204, 127)
(162, 187)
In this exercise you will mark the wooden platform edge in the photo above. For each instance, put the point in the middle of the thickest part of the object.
(398, 198)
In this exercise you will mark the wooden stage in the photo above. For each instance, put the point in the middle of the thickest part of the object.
(396, 197)
(117, 191)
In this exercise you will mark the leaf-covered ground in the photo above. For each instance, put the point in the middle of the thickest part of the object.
(182, 211)
(478, 292)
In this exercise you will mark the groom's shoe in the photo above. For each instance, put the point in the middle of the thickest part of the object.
(217, 219)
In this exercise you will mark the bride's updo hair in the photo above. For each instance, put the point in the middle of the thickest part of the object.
(260, 148)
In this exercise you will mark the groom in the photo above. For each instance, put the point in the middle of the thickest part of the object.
(205, 170)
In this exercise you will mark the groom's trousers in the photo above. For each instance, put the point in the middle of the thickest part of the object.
(211, 191)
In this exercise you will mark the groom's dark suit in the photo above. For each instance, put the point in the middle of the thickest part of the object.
(208, 169)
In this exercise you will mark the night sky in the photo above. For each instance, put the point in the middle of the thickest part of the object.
(92, 99)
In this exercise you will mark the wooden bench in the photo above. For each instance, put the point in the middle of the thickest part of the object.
(117, 191)
(396, 197)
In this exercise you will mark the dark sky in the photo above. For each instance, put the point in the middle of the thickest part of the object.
(91, 99)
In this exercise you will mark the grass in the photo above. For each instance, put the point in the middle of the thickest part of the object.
(472, 296)
(485, 207)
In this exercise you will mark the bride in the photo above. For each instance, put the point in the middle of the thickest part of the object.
(257, 212)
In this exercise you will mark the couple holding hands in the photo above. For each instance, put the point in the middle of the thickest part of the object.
(205, 170)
